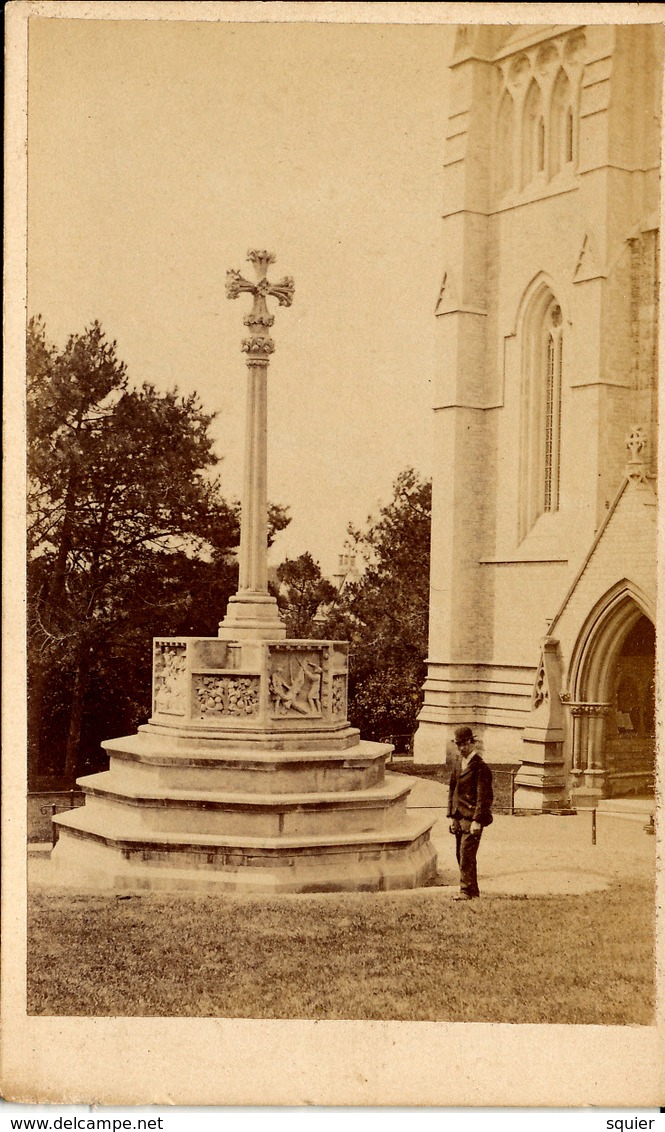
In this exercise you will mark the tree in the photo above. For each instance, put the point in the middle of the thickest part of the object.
(385, 614)
(300, 594)
(129, 535)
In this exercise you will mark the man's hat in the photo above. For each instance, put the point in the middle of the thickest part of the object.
(464, 735)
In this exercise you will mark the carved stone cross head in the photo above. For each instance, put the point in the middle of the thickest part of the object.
(259, 345)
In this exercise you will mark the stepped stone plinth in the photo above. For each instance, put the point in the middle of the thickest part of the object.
(248, 777)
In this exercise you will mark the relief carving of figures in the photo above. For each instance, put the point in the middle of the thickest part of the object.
(313, 673)
(295, 685)
(228, 695)
(170, 690)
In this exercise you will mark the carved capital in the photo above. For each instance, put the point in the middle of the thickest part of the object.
(596, 711)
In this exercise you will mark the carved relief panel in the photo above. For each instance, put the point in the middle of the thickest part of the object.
(296, 681)
(170, 678)
(218, 696)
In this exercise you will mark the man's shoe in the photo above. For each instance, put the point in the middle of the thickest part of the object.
(462, 896)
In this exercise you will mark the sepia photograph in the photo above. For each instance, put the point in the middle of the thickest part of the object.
(332, 714)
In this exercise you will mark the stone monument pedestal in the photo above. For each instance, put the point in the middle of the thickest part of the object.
(248, 777)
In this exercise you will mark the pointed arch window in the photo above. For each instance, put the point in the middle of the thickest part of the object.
(541, 410)
(505, 135)
(533, 135)
(562, 124)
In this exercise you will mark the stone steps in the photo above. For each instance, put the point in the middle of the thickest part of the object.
(151, 747)
(104, 784)
(114, 853)
(154, 808)
(197, 767)
(122, 831)
(339, 737)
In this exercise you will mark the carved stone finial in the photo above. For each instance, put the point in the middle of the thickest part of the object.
(636, 443)
(259, 346)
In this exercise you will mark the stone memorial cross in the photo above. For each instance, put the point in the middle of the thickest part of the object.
(253, 612)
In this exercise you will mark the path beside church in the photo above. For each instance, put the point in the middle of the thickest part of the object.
(544, 855)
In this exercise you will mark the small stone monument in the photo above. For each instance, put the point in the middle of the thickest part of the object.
(248, 775)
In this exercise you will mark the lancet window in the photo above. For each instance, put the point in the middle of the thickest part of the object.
(541, 409)
(505, 138)
(533, 135)
(562, 124)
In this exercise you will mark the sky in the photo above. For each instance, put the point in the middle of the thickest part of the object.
(160, 152)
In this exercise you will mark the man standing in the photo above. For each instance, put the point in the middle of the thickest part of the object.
(469, 807)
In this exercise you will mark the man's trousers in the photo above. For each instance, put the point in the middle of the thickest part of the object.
(467, 848)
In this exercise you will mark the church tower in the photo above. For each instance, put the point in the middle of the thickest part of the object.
(543, 574)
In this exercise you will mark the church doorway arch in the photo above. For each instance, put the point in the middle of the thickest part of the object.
(613, 698)
(631, 725)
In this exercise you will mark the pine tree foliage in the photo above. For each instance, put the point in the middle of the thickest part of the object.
(301, 593)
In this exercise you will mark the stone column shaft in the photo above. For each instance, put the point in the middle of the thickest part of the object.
(253, 576)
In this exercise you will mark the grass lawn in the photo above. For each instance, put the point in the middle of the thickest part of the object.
(415, 956)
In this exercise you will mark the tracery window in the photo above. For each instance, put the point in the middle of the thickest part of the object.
(536, 132)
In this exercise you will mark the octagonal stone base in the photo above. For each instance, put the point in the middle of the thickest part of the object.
(114, 859)
(248, 778)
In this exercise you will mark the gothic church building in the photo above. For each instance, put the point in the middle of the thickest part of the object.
(543, 574)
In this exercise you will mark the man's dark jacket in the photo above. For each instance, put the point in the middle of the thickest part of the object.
(470, 792)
